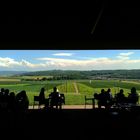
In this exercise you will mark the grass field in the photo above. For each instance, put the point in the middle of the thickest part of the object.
(69, 88)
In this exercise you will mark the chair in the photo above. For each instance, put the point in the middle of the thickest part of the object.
(39, 101)
(36, 99)
(90, 99)
(62, 96)
(57, 100)
(62, 100)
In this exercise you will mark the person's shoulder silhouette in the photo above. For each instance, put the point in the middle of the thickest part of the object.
(133, 96)
(11, 101)
(54, 96)
(120, 97)
(42, 94)
(55, 92)
(22, 101)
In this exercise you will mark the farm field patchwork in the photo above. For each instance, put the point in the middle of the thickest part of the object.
(74, 90)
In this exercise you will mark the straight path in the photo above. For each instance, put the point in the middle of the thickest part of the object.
(76, 88)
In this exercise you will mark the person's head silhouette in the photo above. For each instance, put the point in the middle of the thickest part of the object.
(109, 90)
(55, 89)
(42, 89)
(121, 91)
(12, 94)
(6, 91)
(133, 90)
(2, 90)
(102, 90)
(23, 92)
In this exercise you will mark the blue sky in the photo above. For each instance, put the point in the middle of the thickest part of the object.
(32, 60)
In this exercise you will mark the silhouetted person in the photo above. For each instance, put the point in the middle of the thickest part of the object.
(120, 98)
(1, 95)
(4, 99)
(109, 98)
(2, 91)
(133, 96)
(6, 94)
(12, 101)
(96, 96)
(109, 94)
(42, 96)
(101, 98)
(42, 99)
(22, 101)
(54, 98)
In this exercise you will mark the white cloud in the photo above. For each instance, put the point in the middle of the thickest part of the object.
(63, 54)
(90, 64)
(23, 64)
(8, 62)
(69, 64)
(123, 57)
(126, 54)
(26, 63)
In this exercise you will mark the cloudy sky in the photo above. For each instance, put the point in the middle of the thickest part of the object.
(33, 60)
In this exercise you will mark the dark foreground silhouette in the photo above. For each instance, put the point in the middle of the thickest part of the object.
(79, 124)
(98, 123)
(106, 99)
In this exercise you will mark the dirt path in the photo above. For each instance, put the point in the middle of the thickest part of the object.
(75, 87)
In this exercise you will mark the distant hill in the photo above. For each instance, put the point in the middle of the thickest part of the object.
(93, 74)
(11, 73)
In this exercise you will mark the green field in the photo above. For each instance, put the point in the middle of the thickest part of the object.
(74, 90)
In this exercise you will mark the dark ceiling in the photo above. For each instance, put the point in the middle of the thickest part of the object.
(115, 27)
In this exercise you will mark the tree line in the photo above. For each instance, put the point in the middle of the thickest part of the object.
(94, 74)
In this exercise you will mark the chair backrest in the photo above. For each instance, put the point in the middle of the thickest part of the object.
(89, 98)
(62, 96)
(36, 98)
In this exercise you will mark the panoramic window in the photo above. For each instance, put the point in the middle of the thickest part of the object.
(75, 73)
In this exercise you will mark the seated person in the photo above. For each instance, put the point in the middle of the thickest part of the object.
(54, 98)
(120, 98)
(42, 96)
(22, 101)
(101, 98)
(109, 98)
(42, 99)
(109, 94)
(133, 97)
(11, 101)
